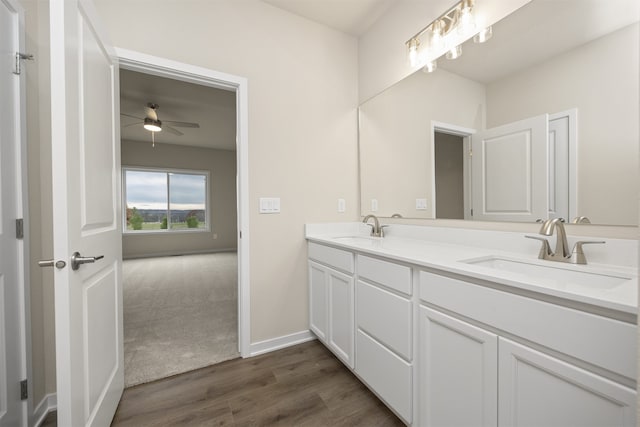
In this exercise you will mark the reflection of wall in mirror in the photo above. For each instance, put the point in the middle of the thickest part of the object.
(600, 79)
(395, 135)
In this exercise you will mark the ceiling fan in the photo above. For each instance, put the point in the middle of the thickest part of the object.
(152, 123)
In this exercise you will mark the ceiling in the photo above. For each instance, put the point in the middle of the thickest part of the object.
(349, 16)
(539, 31)
(213, 109)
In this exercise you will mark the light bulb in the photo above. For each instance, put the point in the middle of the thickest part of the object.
(455, 52)
(413, 51)
(466, 23)
(430, 66)
(436, 35)
(483, 35)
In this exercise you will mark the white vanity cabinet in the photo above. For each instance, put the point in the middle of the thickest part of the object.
(384, 331)
(331, 291)
(538, 389)
(458, 372)
(485, 375)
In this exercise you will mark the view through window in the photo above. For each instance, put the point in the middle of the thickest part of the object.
(165, 200)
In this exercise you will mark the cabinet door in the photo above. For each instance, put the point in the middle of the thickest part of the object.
(539, 390)
(458, 372)
(318, 301)
(341, 325)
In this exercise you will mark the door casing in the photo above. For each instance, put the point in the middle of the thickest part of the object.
(148, 64)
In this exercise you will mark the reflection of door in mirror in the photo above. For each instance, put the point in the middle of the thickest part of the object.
(449, 173)
(525, 170)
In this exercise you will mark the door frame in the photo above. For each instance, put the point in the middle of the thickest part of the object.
(162, 67)
(465, 133)
(22, 204)
(572, 117)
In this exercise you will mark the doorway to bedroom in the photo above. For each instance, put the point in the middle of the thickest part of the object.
(180, 268)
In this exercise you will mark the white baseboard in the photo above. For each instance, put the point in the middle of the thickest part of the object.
(273, 344)
(48, 404)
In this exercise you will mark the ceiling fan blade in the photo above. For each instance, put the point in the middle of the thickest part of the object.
(182, 124)
(172, 130)
(133, 117)
(151, 112)
(132, 124)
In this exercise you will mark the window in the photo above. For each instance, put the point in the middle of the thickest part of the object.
(157, 201)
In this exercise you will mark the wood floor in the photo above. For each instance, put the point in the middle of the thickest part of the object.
(303, 385)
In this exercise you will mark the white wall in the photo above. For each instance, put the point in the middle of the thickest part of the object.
(608, 132)
(302, 80)
(221, 165)
(382, 54)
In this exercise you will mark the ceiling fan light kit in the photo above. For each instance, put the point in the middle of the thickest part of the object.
(153, 124)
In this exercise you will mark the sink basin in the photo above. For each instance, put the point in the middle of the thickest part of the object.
(561, 276)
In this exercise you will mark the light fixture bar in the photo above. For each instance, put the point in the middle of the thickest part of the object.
(447, 20)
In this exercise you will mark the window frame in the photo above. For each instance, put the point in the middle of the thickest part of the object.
(167, 171)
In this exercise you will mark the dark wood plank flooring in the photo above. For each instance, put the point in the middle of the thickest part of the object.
(303, 385)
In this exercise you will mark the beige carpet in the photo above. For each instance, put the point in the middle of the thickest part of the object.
(180, 314)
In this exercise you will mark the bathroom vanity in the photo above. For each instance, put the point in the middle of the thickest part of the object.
(468, 327)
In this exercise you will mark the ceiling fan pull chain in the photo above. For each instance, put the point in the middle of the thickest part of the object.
(153, 139)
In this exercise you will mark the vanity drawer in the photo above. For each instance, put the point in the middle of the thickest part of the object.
(385, 373)
(385, 316)
(598, 340)
(386, 273)
(337, 258)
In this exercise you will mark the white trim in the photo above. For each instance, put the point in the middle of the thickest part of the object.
(49, 403)
(149, 64)
(278, 343)
(572, 116)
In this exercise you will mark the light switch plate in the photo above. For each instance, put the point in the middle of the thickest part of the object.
(342, 205)
(269, 205)
(374, 205)
(421, 204)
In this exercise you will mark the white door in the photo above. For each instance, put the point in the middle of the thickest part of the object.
(458, 377)
(510, 171)
(86, 216)
(536, 389)
(12, 409)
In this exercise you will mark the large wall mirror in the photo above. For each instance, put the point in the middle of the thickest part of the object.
(540, 121)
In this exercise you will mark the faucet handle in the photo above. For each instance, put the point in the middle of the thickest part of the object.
(577, 254)
(382, 227)
(545, 250)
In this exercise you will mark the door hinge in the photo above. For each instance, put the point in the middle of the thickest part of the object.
(20, 57)
(241, 234)
(24, 392)
(19, 228)
(471, 212)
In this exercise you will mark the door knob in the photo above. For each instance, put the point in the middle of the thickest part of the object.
(52, 263)
(77, 260)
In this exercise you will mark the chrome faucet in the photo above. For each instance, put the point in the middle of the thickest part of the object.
(561, 254)
(376, 228)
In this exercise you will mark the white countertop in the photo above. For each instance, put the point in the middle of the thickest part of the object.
(437, 254)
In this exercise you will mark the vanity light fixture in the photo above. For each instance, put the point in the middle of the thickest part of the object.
(445, 34)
